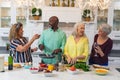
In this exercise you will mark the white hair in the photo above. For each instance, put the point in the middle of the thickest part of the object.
(74, 33)
(106, 28)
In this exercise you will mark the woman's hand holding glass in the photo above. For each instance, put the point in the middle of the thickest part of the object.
(99, 51)
(96, 50)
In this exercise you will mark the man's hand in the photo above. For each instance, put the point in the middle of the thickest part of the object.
(56, 51)
(34, 49)
(41, 47)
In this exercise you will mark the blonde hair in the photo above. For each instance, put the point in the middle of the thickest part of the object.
(14, 31)
(74, 33)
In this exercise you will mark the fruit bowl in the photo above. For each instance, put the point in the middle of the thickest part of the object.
(43, 65)
(27, 66)
(33, 70)
(101, 71)
(48, 73)
(73, 72)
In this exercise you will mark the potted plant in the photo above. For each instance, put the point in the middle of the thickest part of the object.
(86, 15)
(36, 13)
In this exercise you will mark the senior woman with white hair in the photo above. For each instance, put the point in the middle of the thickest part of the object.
(77, 45)
(102, 46)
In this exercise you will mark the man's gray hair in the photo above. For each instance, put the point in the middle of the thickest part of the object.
(106, 28)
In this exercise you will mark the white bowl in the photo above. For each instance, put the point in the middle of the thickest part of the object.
(101, 71)
(48, 74)
(73, 72)
(34, 71)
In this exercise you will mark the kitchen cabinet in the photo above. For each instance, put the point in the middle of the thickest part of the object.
(5, 15)
(65, 14)
(21, 15)
(114, 21)
(9, 14)
(60, 3)
(114, 61)
(102, 17)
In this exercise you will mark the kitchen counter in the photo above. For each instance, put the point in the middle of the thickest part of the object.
(25, 74)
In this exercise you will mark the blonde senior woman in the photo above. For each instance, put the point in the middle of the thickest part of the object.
(77, 45)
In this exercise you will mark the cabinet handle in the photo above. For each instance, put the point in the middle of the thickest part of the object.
(117, 36)
(111, 59)
(5, 33)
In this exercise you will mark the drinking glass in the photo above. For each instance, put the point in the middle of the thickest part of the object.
(95, 45)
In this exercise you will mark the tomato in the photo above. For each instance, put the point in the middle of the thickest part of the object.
(33, 68)
(72, 68)
(42, 65)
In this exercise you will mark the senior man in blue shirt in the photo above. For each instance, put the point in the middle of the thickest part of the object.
(52, 40)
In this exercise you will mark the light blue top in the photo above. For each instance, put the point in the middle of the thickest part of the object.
(52, 40)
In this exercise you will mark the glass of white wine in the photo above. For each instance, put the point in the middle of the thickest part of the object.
(95, 45)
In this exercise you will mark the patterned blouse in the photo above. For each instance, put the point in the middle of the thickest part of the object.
(20, 57)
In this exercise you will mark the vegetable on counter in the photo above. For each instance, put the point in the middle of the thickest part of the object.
(82, 66)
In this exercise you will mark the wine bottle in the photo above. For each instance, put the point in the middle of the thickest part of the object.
(10, 61)
(58, 2)
(68, 3)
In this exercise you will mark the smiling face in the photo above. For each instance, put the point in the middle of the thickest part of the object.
(101, 32)
(53, 21)
(81, 30)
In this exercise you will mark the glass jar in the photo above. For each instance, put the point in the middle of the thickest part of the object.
(53, 3)
(63, 3)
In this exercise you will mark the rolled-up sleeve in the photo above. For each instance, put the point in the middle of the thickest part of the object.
(41, 39)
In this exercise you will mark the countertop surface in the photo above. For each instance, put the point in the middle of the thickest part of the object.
(25, 74)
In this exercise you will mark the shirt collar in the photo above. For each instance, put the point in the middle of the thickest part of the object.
(55, 31)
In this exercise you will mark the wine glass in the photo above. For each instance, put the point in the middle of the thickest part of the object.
(95, 45)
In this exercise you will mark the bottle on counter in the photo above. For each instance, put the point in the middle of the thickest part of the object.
(68, 3)
(58, 2)
(53, 3)
(63, 3)
(57, 63)
(7, 46)
(10, 61)
(61, 65)
(72, 3)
